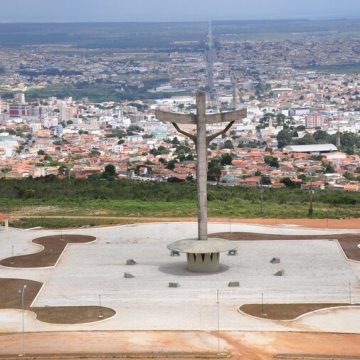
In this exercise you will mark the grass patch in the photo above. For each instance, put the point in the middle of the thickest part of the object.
(123, 198)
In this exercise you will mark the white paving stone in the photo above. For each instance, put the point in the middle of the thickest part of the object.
(315, 271)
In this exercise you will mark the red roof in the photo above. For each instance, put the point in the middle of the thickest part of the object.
(4, 217)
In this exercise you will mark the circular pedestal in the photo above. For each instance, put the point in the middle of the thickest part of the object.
(203, 255)
(203, 262)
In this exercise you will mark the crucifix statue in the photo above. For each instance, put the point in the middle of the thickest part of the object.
(201, 140)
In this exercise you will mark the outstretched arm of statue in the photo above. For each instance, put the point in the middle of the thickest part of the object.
(213, 136)
(191, 136)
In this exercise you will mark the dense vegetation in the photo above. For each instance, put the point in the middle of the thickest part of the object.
(100, 91)
(124, 198)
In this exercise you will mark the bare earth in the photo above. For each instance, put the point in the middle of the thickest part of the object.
(352, 223)
(284, 311)
(9, 299)
(242, 345)
(53, 247)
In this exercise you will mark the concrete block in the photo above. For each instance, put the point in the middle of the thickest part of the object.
(280, 273)
(275, 260)
(128, 276)
(234, 284)
(174, 285)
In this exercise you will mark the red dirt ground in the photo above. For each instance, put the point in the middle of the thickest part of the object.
(10, 298)
(348, 223)
(242, 345)
(53, 248)
(284, 311)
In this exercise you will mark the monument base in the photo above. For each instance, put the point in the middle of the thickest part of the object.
(203, 256)
(203, 262)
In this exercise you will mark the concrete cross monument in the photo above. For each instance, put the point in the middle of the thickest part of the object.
(203, 255)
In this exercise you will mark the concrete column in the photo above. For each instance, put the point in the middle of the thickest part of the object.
(201, 168)
(203, 263)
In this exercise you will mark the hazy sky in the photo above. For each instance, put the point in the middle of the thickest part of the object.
(173, 10)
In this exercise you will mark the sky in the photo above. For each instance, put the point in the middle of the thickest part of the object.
(173, 10)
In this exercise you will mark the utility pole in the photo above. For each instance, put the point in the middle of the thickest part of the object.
(350, 297)
(22, 292)
(218, 321)
(100, 316)
(311, 193)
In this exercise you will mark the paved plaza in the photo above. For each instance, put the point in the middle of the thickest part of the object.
(314, 271)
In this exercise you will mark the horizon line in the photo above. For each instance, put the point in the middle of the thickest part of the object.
(325, 18)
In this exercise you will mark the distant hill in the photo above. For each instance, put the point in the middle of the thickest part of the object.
(163, 35)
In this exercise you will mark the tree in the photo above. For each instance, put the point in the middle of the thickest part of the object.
(134, 130)
(48, 158)
(171, 165)
(63, 171)
(349, 141)
(109, 172)
(175, 141)
(226, 159)
(5, 170)
(321, 137)
(163, 150)
(183, 149)
(308, 139)
(214, 170)
(280, 119)
(349, 176)
(271, 161)
(265, 180)
(284, 138)
(94, 153)
(329, 169)
(228, 144)
(289, 183)
(41, 152)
